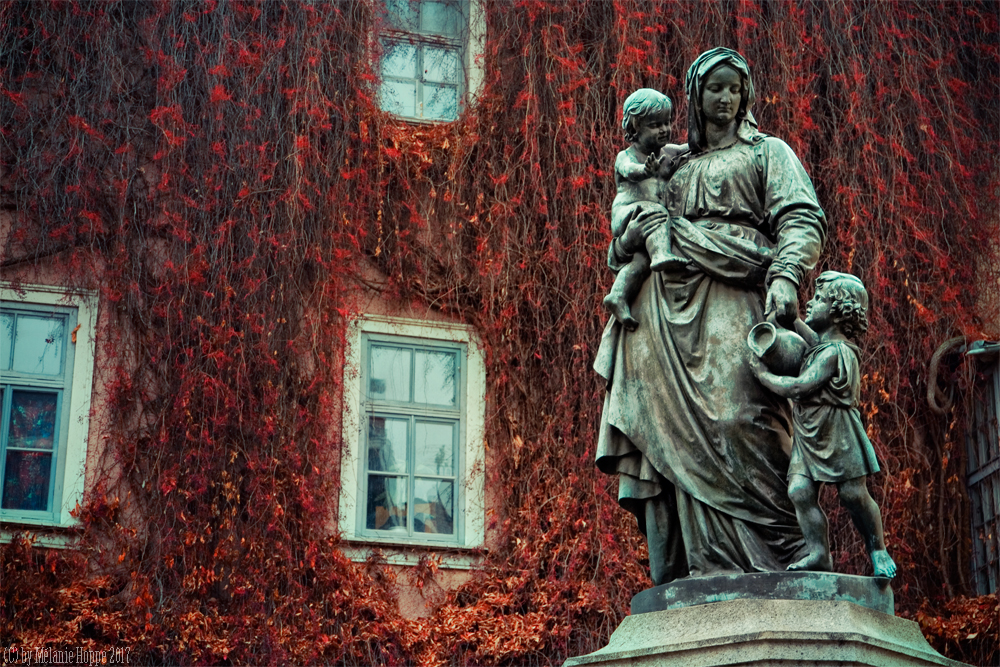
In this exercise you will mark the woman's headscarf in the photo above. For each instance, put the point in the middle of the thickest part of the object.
(746, 129)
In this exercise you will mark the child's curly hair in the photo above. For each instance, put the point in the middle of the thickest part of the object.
(642, 103)
(849, 307)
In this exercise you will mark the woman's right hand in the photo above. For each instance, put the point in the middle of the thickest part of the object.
(633, 239)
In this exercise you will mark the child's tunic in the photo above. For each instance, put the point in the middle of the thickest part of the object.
(829, 443)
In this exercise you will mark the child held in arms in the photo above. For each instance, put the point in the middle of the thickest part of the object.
(641, 171)
(829, 442)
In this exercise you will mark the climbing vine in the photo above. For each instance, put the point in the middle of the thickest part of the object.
(222, 174)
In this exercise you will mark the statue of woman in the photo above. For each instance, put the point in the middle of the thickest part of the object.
(700, 446)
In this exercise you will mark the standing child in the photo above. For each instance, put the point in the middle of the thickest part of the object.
(641, 171)
(829, 443)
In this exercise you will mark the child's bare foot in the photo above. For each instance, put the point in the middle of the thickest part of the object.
(883, 564)
(816, 561)
(619, 308)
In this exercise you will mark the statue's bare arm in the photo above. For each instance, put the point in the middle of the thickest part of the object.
(814, 377)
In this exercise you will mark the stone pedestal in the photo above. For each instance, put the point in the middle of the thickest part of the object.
(826, 586)
(765, 619)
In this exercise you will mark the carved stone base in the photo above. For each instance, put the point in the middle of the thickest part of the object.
(751, 631)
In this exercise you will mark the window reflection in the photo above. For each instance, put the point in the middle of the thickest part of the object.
(403, 14)
(387, 504)
(390, 373)
(399, 60)
(387, 444)
(6, 336)
(435, 448)
(38, 344)
(440, 102)
(435, 377)
(440, 65)
(443, 18)
(432, 506)
(399, 97)
(33, 420)
(26, 480)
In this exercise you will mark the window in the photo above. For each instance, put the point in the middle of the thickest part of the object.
(46, 367)
(983, 447)
(414, 448)
(425, 59)
(414, 417)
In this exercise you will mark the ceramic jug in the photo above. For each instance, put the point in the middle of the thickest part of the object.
(780, 349)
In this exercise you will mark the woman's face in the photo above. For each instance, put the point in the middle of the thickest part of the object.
(721, 94)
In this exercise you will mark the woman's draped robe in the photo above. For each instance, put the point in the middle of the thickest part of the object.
(701, 447)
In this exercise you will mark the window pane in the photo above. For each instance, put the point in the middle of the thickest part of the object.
(33, 420)
(6, 336)
(26, 481)
(443, 18)
(402, 14)
(440, 65)
(399, 60)
(435, 448)
(399, 98)
(435, 378)
(386, 503)
(387, 444)
(440, 102)
(390, 373)
(432, 506)
(38, 344)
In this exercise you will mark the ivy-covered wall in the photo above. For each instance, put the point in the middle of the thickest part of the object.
(222, 174)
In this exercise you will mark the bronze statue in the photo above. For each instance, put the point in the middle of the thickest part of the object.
(701, 447)
(829, 442)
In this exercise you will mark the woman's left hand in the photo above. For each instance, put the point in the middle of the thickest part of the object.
(642, 224)
(782, 301)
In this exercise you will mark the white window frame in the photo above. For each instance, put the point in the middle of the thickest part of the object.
(470, 45)
(412, 413)
(74, 425)
(469, 502)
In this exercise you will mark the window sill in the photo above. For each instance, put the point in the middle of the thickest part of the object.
(409, 553)
(36, 522)
(425, 122)
(45, 536)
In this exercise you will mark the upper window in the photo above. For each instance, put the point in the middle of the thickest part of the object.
(414, 445)
(424, 58)
(44, 403)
